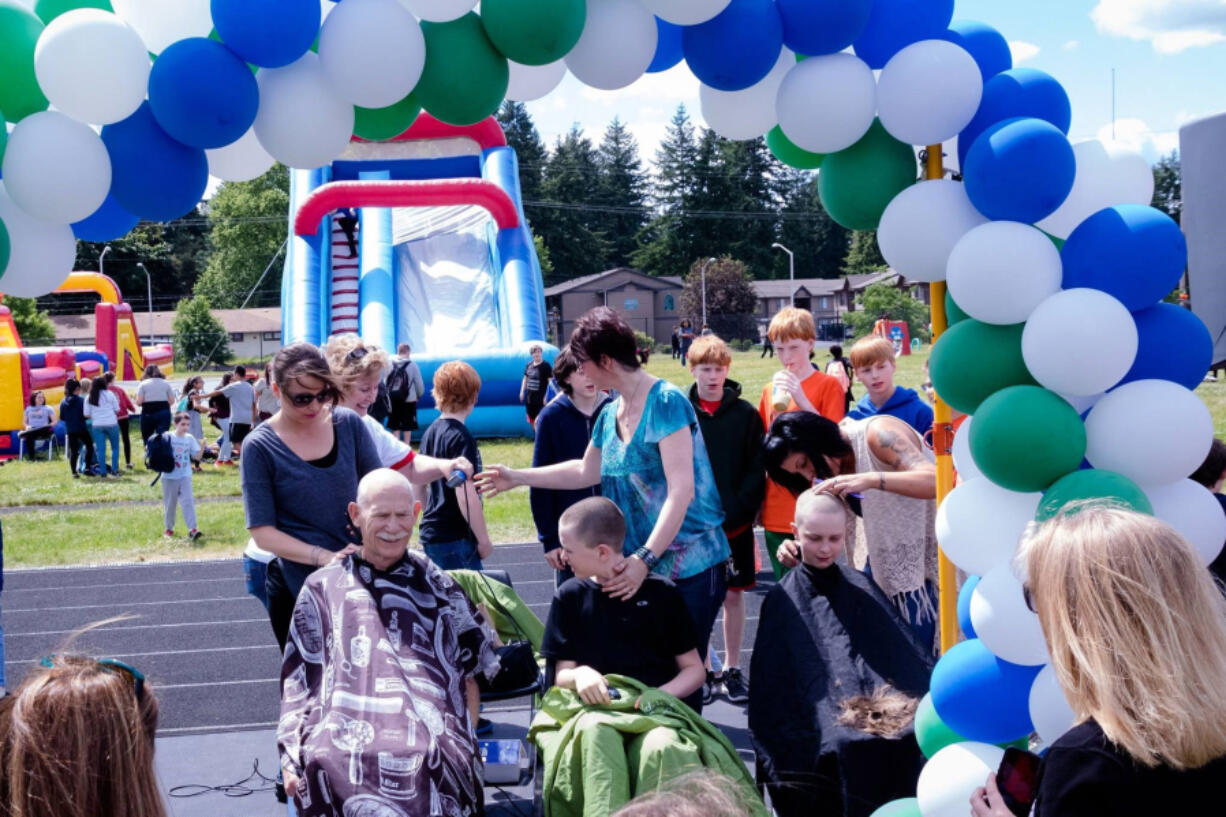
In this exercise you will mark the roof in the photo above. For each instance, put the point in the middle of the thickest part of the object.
(649, 281)
(234, 320)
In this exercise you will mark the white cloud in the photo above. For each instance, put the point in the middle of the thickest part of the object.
(1137, 135)
(1170, 26)
(1071, 45)
(1022, 51)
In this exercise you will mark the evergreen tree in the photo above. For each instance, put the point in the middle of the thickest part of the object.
(571, 231)
(747, 184)
(249, 227)
(818, 241)
(863, 255)
(730, 296)
(622, 189)
(199, 337)
(525, 140)
(666, 245)
(1168, 190)
(33, 325)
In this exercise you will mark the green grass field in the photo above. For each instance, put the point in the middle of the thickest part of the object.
(42, 531)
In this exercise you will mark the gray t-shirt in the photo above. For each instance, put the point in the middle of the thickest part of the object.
(156, 390)
(241, 397)
(307, 500)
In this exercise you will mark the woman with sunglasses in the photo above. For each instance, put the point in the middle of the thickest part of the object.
(77, 739)
(299, 472)
(1136, 629)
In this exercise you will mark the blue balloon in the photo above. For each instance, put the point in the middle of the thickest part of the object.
(110, 221)
(1133, 252)
(896, 24)
(981, 697)
(668, 47)
(1173, 345)
(1013, 93)
(964, 606)
(153, 176)
(270, 33)
(987, 45)
(201, 94)
(736, 48)
(1019, 170)
(814, 27)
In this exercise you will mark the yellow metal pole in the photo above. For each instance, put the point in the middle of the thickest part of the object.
(942, 440)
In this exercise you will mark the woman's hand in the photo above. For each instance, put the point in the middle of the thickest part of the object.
(496, 479)
(556, 558)
(987, 802)
(346, 551)
(628, 577)
(845, 484)
(788, 553)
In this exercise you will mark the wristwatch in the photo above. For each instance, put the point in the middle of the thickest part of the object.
(647, 557)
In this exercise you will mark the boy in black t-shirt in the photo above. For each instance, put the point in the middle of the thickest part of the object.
(589, 634)
(535, 384)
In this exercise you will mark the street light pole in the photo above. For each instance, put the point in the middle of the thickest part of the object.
(791, 271)
(102, 259)
(705, 264)
(149, 295)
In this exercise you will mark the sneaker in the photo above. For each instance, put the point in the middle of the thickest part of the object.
(736, 689)
(194, 534)
(76, 476)
(169, 534)
(710, 687)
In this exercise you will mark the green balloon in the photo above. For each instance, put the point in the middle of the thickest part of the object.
(4, 137)
(20, 95)
(465, 77)
(858, 183)
(953, 312)
(5, 247)
(1024, 438)
(972, 360)
(930, 731)
(1092, 483)
(534, 32)
(1059, 242)
(906, 807)
(377, 124)
(789, 153)
(48, 10)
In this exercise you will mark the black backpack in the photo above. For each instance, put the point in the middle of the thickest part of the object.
(159, 455)
(398, 383)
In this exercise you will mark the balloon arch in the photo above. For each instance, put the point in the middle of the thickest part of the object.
(1059, 345)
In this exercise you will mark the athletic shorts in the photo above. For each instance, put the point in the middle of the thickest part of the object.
(403, 417)
(742, 566)
(238, 431)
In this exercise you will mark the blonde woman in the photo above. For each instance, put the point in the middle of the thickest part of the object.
(1137, 633)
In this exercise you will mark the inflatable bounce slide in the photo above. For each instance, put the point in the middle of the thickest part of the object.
(422, 240)
(117, 347)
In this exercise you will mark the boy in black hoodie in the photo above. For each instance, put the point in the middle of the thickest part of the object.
(733, 431)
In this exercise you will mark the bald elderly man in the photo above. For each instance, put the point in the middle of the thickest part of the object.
(378, 692)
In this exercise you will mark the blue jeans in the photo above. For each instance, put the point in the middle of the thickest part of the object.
(255, 572)
(703, 594)
(1, 650)
(102, 436)
(458, 555)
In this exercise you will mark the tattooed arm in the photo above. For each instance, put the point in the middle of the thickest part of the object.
(910, 471)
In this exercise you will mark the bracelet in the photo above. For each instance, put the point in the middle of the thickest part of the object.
(881, 480)
(647, 557)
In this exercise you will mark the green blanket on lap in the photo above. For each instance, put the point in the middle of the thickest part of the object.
(511, 618)
(597, 758)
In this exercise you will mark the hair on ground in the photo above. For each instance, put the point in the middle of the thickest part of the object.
(699, 793)
(886, 713)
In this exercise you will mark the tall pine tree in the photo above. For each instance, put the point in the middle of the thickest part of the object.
(818, 242)
(621, 189)
(666, 244)
(525, 140)
(863, 255)
(571, 228)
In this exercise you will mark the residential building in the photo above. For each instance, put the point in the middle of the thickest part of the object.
(254, 333)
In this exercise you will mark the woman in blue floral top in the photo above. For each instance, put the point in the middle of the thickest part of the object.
(649, 457)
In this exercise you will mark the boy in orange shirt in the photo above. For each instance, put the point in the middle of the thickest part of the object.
(793, 334)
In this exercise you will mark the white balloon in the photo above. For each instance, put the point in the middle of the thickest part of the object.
(929, 92)
(1049, 708)
(922, 225)
(1003, 622)
(951, 776)
(160, 23)
(1107, 174)
(56, 168)
(686, 12)
(531, 82)
(439, 11)
(41, 253)
(961, 453)
(1001, 271)
(1194, 511)
(92, 66)
(1083, 402)
(749, 113)
(302, 122)
(617, 45)
(373, 51)
(1154, 432)
(827, 103)
(240, 161)
(1079, 341)
(980, 523)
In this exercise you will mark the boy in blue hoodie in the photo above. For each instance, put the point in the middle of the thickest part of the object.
(872, 358)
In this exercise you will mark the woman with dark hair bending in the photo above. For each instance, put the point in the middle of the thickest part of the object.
(883, 462)
(299, 472)
(649, 457)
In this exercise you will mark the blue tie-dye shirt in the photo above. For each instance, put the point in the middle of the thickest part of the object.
(632, 475)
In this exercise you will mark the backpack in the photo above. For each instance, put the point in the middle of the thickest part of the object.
(398, 382)
(838, 371)
(382, 405)
(159, 455)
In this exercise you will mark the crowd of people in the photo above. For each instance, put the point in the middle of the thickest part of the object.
(645, 498)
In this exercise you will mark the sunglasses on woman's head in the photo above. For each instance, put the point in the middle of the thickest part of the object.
(305, 399)
(356, 355)
(110, 665)
(1028, 598)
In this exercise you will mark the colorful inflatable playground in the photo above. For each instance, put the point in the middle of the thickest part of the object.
(117, 348)
(1048, 268)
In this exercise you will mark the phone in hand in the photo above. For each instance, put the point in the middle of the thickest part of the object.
(614, 694)
(1017, 779)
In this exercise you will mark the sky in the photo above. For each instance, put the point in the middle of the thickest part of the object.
(1169, 57)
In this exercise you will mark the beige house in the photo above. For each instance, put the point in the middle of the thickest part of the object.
(254, 333)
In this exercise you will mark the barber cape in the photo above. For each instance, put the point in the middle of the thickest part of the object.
(825, 636)
(374, 719)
